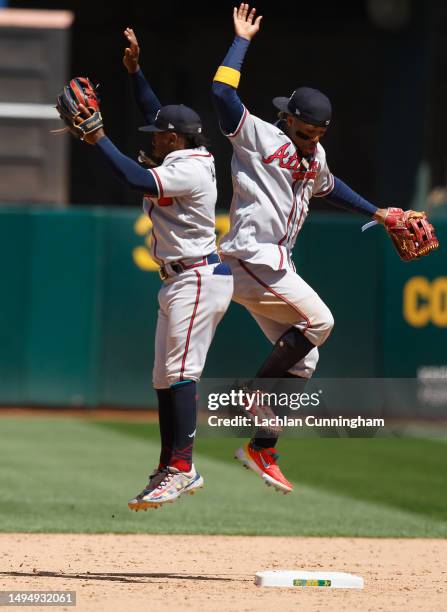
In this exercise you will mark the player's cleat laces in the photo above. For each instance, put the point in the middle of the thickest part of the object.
(165, 486)
(156, 480)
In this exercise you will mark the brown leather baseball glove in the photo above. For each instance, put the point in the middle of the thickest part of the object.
(79, 91)
(411, 232)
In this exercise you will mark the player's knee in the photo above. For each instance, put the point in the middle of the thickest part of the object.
(328, 323)
(323, 327)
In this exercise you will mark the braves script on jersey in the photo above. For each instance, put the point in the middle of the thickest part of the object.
(183, 215)
(272, 188)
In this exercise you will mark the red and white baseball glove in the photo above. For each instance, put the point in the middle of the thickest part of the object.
(411, 232)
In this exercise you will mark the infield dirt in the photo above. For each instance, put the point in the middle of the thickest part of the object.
(215, 573)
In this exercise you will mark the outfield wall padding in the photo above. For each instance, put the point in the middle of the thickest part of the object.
(79, 306)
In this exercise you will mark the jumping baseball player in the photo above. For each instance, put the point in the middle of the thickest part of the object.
(276, 168)
(179, 197)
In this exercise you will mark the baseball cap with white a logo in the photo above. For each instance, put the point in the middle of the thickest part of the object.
(175, 118)
(310, 105)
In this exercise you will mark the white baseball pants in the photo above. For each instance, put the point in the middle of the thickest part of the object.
(279, 300)
(191, 305)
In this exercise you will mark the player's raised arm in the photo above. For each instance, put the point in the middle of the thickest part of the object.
(147, 101)
(228, 105)
(125, 168)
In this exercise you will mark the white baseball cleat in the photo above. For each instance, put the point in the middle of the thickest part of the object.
(165, 486)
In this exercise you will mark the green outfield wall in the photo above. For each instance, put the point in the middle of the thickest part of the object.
(79, 306)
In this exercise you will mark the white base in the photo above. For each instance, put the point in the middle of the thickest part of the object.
(300, 578)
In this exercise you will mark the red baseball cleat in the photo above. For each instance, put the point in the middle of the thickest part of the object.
(263, 462)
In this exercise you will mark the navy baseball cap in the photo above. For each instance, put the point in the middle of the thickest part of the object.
(175, 118)
(310, 105)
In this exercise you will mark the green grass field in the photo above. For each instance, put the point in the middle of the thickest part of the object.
(74, 475)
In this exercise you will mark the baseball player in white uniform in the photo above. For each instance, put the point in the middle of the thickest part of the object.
(179, 197)
(276, 169)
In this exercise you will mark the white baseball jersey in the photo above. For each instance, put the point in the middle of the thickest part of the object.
(272, 188)
(183, 214)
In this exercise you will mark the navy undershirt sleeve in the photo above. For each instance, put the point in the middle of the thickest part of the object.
(345, 197)
(228, 104)
(147, 101)
(126, 169)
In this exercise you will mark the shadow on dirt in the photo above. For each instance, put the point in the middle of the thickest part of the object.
(128, 576)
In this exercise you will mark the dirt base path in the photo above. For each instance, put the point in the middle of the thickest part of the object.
(215, 573)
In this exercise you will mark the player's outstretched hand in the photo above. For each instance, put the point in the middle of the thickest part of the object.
(245, 24)
(132, 52)
(93, 137)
